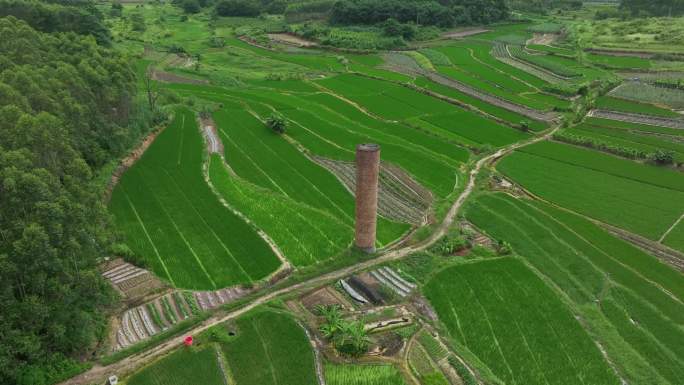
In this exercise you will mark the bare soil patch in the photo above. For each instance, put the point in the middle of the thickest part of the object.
(286, 38)
(324, 296)
(169, 77)
(214, 144)
(464, 33)
(543, 38)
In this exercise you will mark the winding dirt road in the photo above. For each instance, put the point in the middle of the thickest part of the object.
(98, 374)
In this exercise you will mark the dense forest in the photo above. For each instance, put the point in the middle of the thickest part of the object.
(65, 106)
(445, 13)
(654, 7)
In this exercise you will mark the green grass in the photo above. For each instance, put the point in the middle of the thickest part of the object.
(624, 105)
(270, 349)
(182, 367)
(330, 127)
(589, 266)
(515, 324)
(619, 62)
(649, 93)
(631, 138)
(170, 217)
(597, 161)
(605, 192)
(362, 375)
(547, 62)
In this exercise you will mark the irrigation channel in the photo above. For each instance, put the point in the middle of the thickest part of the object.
(98, 373)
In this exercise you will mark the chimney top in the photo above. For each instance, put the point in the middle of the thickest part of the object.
(370, 147)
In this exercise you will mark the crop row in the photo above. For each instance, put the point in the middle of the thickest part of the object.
(336, 127)
(623, 105)
(645, 129)
(171, 218)
(362, 375)
(648, 93)
(603, 196)
(647, 144)
(270, 349)
(304, 234)
(515, 324)
(578, 257)
(545, 62)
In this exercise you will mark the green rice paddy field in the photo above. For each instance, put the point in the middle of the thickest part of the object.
(627, 299)
(600, 186)
(270, 349)
(515, 324)
(170, 217)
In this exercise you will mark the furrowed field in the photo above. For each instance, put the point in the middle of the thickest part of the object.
(170, 217)
(608, 280)
(270, 349)
(362, 375)
(600, 186)
(515, 324)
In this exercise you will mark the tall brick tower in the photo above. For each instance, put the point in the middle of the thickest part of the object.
(367, 171)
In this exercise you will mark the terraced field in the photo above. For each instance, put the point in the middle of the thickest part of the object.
(623, 105)
(631, 301)
(645, 138)
(516, 325)
(270, 349)
(600, 186)
(170, 217)
(445, 119)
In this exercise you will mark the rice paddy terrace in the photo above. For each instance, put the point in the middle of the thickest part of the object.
(530, 214)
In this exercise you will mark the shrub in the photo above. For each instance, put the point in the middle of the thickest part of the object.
(277, 123)
(661, 156)
(190, 6)
(237, 8)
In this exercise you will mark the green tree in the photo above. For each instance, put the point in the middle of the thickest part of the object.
(65, 105)
(190, 6)
(277, 123)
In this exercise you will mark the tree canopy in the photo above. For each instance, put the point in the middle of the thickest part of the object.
(654, 7)
(64, 111)
(79, 16)
(444, 13)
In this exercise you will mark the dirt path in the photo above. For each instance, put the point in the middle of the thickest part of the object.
(98, 373)
(670, 229)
